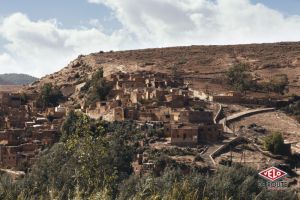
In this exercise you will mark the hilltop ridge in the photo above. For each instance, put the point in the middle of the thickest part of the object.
(202, 66)
(16, 79)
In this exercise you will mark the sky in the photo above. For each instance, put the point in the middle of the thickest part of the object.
(40, 37)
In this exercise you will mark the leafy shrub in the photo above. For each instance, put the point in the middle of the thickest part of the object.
(234, 182)
(97, 88)
(275, 144)
(278, 84)
(88, 162)
(49, 96)
(239, 77)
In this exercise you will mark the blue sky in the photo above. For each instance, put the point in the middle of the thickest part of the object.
(40, 37)
(71, 13)
(288, 7)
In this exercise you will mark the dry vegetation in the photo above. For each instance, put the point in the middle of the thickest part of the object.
(203, 66)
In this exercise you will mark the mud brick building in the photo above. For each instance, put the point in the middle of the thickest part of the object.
(157, 97)
(193, 134)
(15, 156)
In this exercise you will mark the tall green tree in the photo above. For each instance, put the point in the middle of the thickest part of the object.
(239, 77)
(275, 143)
(97, 88)
(49, 96)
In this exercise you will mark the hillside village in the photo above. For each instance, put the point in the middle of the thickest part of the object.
(187, 118)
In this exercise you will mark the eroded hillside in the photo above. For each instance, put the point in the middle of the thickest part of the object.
(202, 66)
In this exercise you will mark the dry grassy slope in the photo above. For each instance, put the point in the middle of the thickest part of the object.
(203, 65)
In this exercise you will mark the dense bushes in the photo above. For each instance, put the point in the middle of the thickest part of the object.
(97, 88)
(293, 109)
(90, 160)
(234, 182)
(278, 84)
(275, 144)
(93, 161)
(49, 96)
(239, 78)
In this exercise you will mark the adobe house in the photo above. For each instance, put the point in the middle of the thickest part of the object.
(176, 101)
(158, 83)
(95, 110)
(209, 132)
(182, 134)
(11, 136)
(118, 114)
(229, 97)
(131, 113)
(13, 156)
(193, 134)
(9, 156)
(159, 94)
(60, 109)
(16, 119)
(137, 77)
(163, 114)
(129, 85)
(11, 100)
(41, 120)
(122, 76)
(188, 116)
(148, 93)
(136, 96)
(146, 116)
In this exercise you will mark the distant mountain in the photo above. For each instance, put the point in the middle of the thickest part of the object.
(16, 79)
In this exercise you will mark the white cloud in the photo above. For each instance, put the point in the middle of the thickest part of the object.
(184, 22)
(40, 47)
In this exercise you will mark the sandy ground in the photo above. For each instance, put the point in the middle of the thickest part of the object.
(251, 158)
(276, 121)
(273, 121)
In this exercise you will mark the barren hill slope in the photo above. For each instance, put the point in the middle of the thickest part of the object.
(203, 66)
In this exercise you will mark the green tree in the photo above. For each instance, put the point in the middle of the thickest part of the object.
(97, 88)
(49, 96)
(89, 161)
(240, 78)
(275, 143)
(279, 83)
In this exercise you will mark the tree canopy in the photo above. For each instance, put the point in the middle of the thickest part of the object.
(275, 143)
(97, 88)
(49, 96)
(239, 77)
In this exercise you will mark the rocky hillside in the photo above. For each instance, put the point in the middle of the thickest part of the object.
(202, 66)
(16, 79)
